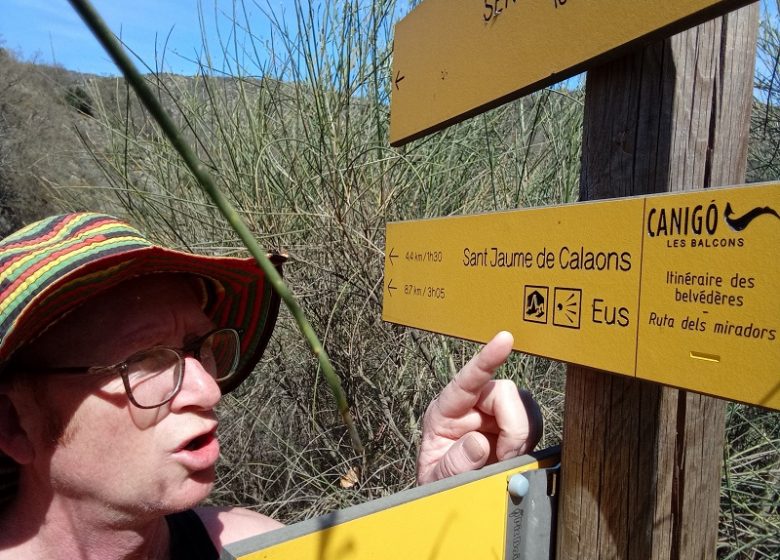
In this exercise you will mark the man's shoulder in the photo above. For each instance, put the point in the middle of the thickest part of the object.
(226, 525)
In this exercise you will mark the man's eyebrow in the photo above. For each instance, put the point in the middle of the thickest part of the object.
(192, 336)
(145, 336)
(189, 338)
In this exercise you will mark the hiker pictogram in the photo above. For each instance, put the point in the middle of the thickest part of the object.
(535, 298)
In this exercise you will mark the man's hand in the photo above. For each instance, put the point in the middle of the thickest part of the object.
(477, 419)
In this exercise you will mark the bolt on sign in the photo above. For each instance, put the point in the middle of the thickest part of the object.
(453, 59)
(681, 289)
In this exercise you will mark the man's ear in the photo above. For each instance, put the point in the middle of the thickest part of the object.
(14, 441)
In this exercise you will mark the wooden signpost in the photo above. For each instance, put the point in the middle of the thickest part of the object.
(640, 461)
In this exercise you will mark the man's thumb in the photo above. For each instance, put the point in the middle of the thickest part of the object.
(468, 453)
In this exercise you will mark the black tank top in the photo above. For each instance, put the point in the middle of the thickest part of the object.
(189, 538)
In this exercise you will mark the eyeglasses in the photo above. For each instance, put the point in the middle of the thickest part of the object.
(154, 376)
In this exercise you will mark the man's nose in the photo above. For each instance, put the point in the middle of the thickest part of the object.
(199, 389)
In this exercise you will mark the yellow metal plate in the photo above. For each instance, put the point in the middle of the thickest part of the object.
(679, 289)
(448, 519)
(455, 58)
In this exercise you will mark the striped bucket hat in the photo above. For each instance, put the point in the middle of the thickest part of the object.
(50, 267)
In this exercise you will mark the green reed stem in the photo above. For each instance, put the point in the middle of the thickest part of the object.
(136, 81)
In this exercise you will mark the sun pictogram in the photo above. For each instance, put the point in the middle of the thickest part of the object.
(567, 307)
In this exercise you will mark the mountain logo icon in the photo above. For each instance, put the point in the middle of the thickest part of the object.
(741, 222)
(535, 304)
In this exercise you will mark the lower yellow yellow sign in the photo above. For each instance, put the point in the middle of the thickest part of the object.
(679, 289)
(465, 517)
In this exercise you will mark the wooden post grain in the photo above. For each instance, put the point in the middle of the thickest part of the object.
(642, 463)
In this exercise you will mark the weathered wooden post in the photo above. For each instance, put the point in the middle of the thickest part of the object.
(642, 462)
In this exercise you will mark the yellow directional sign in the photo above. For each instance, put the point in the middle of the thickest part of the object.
(465, 517)
(455, 58)
(679, 289)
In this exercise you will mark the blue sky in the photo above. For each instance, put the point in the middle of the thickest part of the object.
(50, 31)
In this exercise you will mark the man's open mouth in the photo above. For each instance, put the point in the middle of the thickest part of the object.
(199, 442)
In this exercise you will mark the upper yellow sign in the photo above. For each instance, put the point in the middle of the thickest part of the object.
(680, 289)
(455, 58)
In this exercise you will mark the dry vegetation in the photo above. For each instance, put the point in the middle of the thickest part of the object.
(298, 141)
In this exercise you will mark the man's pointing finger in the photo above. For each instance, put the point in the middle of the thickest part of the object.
(462, 393)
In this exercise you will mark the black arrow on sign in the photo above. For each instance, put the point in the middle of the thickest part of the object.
(392, 256)
(390, 287)
(398, 79)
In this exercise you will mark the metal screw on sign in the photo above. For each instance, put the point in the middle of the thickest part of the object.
(518, 486)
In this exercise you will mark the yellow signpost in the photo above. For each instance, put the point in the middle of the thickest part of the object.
(679, 289)
(465, 517)
(455, 58)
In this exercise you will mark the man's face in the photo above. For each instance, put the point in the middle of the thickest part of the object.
(110, 453)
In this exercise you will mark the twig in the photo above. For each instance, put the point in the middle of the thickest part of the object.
(152, 104)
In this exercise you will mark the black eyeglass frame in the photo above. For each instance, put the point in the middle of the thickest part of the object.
(191, 348)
